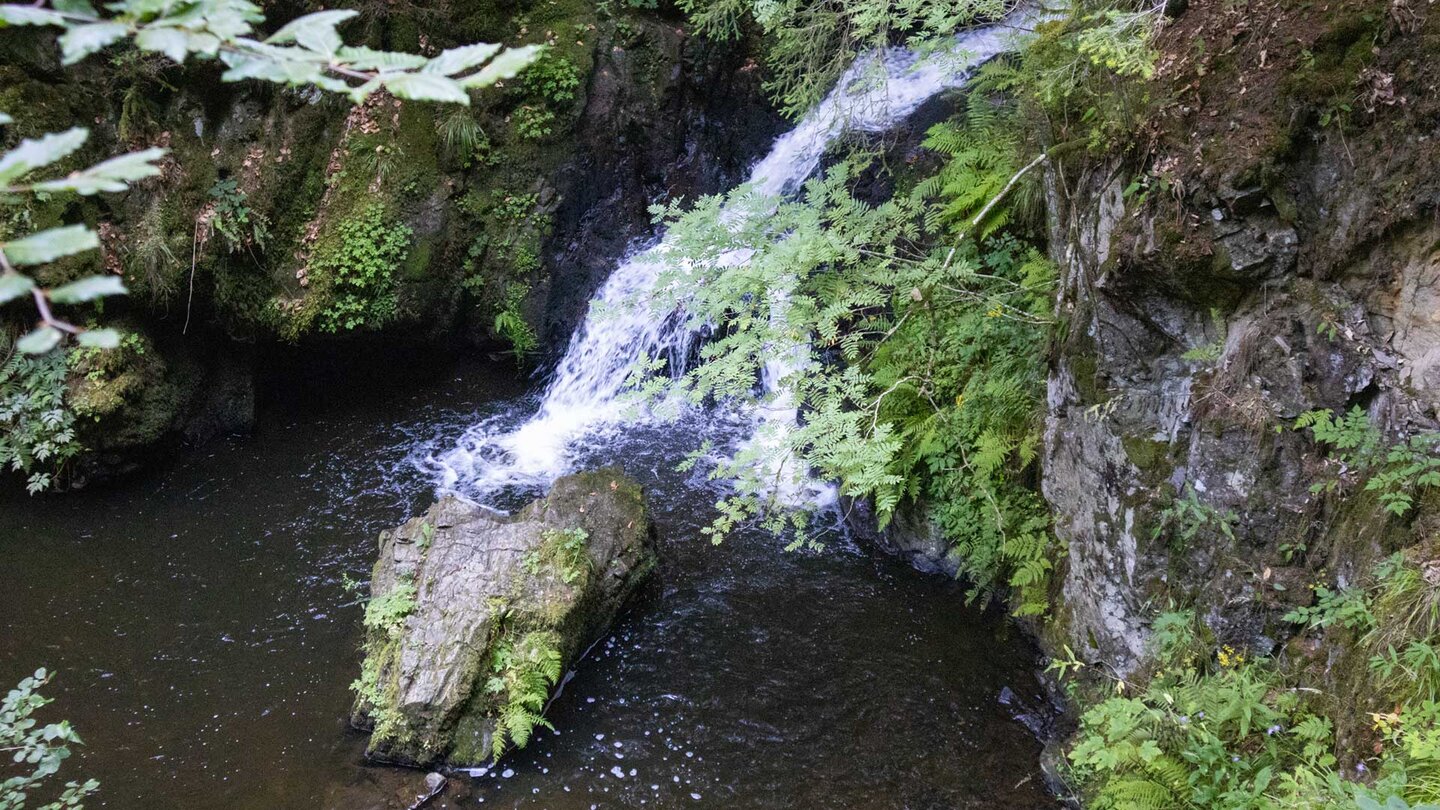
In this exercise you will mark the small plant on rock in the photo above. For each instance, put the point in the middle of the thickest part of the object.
(234, 220)
(523, 672)
(1392, 470)
(384, 618)
(360, 266)
(532, 122)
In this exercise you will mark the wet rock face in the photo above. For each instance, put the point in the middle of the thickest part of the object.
(667, 116)
(1187, 359)
(460, 591)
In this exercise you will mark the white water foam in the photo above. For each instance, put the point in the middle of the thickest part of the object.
(584, 397)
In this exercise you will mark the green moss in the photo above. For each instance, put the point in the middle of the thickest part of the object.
(1085, 371)
(417, 262)
(1149, 456)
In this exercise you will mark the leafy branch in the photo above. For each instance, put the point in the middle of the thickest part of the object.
(305, 51)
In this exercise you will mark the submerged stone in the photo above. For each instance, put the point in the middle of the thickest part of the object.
(475, 615)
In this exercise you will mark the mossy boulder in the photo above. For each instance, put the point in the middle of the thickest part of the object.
(474, 615)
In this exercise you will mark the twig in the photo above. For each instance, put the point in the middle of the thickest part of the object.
(1015, 178)
(194, 248)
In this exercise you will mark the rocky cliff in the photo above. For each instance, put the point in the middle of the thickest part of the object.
(1270, 248)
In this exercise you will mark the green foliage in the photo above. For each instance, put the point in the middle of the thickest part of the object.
(533, 122)
(463, 137)
(1064, 82)
(37, 430)
(1395, 616)
(1210, 352)
(565, 551)
(358, 265)
(552, 77)
(1187, 517)
(234, 220)
(1343, 607)
(35, 752)
(1120, 40)
(1405, 602)
(981, 150)
(511, 325)
(1205, 732)
(388, 611)
(384, 620)
(922, 376)
(16, 169)
(522, 672)
(810, 44)
(1391, 470)
(305, 51)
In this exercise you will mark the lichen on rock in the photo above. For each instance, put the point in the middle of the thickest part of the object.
(474, 615)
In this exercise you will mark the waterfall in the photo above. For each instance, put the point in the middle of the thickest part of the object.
(584, 396)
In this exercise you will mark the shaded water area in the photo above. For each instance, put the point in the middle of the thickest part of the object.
(205, 640)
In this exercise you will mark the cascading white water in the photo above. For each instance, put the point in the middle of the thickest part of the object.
(585, 394)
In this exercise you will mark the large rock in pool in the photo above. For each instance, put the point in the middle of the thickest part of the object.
(473, 616)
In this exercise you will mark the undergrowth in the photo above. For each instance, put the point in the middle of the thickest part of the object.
(1392, 470)
(1209, 728)
(384, 621)
(37, 428)
(358, 266)
(522, 672)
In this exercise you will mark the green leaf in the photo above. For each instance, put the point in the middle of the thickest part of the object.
(5, 119)
(99, 338)
(271, 64)
(425, 87)
(14, 285)
(503, 67)
(76, 8)
(170, 41)
(87, 289)
(361, 58)
(459, 60)
(29, 15)
(40, 341)
(52, 244)
(315, 32)
(114, 174)
(33, 154)
(83, 40)
(359, 93)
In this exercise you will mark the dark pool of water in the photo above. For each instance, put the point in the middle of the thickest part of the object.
(205, 640)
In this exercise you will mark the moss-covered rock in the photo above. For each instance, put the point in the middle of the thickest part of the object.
(473, 615)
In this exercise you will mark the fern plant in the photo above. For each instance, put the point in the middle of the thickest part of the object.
(1391, 470)
(1205, 731)
(981, 151)
(920, 369)
(385, 616)
(522, 672)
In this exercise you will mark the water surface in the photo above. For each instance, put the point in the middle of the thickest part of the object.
(204, 636)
